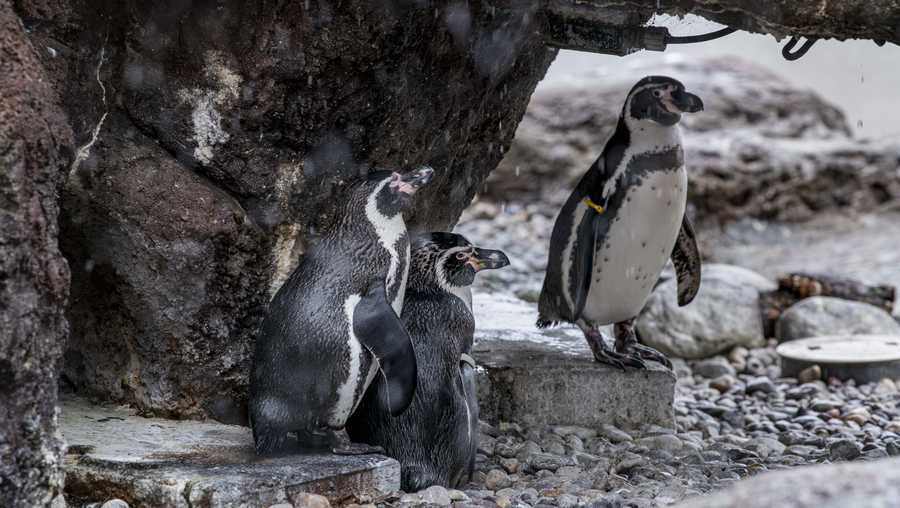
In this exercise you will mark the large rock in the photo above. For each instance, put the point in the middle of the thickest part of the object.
(724, 314)
(761, 148)
(823, 315)
(167, 293)
(211, 159)
(872, 485)
(35, 151)
(155, 462)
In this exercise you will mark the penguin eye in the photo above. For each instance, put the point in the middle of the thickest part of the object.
(657, 93)
(460, 256)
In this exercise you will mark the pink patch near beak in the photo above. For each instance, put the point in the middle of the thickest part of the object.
(669, 105)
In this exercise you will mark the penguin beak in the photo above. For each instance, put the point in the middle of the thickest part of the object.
(686, 102)
(486, 259)
(409, 183)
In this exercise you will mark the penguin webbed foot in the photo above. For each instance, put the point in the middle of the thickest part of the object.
(619, 360)
(627, 344)
(605, 354)
(643, 352)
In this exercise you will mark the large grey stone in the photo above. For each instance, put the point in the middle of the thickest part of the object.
(36, 145)
(724, 314)
(539, 384)
(823, 315)
(157, 462)
(214, 159)
(872, 485)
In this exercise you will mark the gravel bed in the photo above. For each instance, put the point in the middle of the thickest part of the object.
(735, 416)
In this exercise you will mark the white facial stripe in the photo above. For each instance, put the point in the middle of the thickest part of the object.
(389, 231)
(347, 391)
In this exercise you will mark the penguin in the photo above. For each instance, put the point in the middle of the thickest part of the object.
(620, 225)
(334, 325)
(436, 438)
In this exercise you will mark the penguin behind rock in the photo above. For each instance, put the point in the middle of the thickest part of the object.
(435, 439)
(335, 315)
(622, 222)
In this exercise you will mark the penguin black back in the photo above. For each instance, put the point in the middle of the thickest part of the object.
(436, 438)
(338, 311)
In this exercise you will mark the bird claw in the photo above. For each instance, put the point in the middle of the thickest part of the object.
(619, 360)
(643, 352)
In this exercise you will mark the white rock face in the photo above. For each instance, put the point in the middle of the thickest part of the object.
(724, 314)
(822, 315)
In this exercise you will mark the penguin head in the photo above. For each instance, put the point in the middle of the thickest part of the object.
(394, 191)
(660, 99)
(448, 260)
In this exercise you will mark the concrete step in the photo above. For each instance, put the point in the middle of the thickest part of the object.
(113, 453)
(549, 377)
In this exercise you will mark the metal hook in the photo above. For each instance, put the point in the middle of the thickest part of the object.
(788, 53)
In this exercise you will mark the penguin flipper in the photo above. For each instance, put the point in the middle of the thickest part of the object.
(583, 263)
(686, 258)
(380, 330)
(467, 375)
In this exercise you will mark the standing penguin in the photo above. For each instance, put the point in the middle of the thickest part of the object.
(622, 222)
(334, 325)
(435, 439)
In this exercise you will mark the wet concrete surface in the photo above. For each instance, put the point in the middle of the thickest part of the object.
(113, 453)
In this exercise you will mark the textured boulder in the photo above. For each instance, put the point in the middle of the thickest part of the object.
(873, 484)
(841, 19)
(762, 148)
(823, 315)
(170, 264)
(724, 314)
(35, 148)
(211, 157)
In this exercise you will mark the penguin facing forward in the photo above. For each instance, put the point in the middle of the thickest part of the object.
(436, 438)
(624, 220)
(334, 326)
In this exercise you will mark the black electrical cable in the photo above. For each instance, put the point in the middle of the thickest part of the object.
(690, 39)
(788, 51)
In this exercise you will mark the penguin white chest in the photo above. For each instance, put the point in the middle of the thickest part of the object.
(639, 241)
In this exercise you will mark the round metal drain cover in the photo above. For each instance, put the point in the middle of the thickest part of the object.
(865, 358)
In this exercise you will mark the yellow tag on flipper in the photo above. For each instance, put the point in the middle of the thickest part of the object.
(595, 206)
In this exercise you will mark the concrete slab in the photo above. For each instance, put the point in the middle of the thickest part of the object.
(113, 453)
(549, 377)
(537, 384)
(864, 358)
